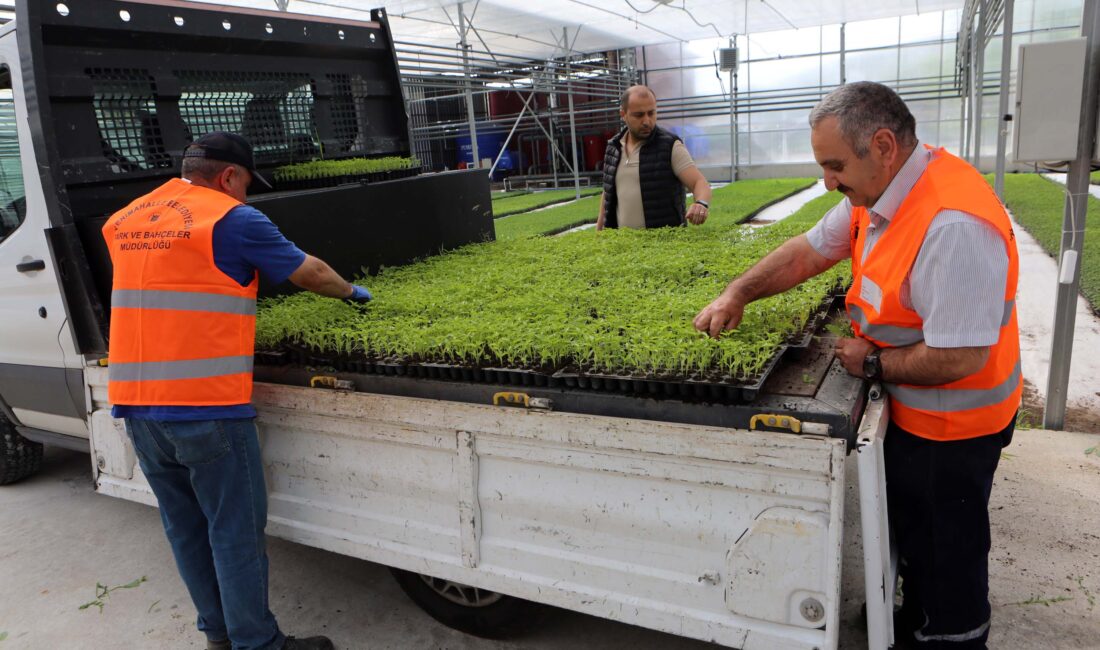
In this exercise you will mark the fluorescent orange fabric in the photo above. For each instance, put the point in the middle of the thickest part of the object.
(182, 331)
(977, 405)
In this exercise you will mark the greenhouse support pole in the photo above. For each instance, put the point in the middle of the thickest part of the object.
(572, 116)
(1002, 111)
(468, 89)
(1073, 228)
(843, 72)
(979, 84)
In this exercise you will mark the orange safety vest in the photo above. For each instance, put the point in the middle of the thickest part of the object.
(976, 405)
(182, 331)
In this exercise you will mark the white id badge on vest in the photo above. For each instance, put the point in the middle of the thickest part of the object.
(871, 292)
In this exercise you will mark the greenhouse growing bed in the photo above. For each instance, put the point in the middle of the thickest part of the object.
(614, 306)
(730, 204)
(1038, 203)
(509, 205)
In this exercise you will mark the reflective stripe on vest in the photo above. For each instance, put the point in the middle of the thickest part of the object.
(943, 400)
(189, 369)
(183, 301)
(899, 336)
(984, 401)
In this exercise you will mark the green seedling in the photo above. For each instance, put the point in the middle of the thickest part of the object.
(1093, 451)
(618, 301)
(3, 636)
(350, 167)
(1085, 590)
(103, 591)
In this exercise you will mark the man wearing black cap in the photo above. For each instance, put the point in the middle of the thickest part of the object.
(186, 262)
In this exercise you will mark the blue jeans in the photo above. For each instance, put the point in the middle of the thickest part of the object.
(208, 478)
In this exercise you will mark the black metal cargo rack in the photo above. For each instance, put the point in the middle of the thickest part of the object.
(116, 89)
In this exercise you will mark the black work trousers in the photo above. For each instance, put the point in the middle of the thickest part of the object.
(938, 500)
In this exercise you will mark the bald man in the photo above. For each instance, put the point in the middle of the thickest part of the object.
(646, 170)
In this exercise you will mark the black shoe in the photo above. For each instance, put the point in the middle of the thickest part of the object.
(224, 644)
(312, 643)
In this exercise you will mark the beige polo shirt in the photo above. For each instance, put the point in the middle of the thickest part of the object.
(628, 186)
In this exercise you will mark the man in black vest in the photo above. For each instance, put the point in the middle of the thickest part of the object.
(646, 170)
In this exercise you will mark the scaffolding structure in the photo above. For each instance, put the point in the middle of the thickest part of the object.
(543, 107)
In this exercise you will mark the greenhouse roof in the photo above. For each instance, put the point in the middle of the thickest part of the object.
(534, 28)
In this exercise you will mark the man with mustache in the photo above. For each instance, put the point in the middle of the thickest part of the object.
(932, 304)
(646, 170)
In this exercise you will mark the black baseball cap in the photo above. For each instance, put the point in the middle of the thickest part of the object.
(226, 147)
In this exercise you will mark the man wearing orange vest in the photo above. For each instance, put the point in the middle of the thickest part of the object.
(187, 258)
(932, 305)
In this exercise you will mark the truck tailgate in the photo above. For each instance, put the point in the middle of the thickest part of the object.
(724, 535)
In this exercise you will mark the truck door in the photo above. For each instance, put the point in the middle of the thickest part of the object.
(41, 380)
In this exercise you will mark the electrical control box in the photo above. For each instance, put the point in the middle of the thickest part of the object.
(1049, 85)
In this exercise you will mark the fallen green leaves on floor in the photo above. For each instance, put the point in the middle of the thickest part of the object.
(1046, 602)
(507, 205)
(619, 301)
(103, 591)
(1038, 203)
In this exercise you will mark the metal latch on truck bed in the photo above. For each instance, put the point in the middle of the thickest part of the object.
(788, 422)
(517, 399)
(327, 381)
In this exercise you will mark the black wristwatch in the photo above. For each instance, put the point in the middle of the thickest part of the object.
(872, 365)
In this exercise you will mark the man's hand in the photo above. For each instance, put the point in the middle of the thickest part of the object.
(697, 214)
(723, 313)
(359, 295)
(852, 352)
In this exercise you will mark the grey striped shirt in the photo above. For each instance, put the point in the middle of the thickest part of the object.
(957, 282)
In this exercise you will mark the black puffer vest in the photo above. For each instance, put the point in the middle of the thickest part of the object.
(663, 194)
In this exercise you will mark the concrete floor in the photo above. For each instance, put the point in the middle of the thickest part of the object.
(58, 539)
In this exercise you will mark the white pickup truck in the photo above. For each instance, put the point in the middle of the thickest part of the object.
(662, 510)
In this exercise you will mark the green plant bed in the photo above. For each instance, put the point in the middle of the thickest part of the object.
(1094, 178)
(549, 221)
(321, 173)
(738, 202)
(503, 207)
(504, 194)
(1038, 204)
(731, 204)
(615, 302)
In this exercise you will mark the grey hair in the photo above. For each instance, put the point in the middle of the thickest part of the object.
(625, 98)
(862, 108)
(203, 168)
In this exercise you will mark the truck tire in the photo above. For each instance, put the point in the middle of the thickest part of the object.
(469, 609)
(19, 457)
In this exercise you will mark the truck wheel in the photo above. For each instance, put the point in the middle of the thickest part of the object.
(468, 609)
(19, 457)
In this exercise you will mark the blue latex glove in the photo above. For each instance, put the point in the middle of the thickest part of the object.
(359, 294)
